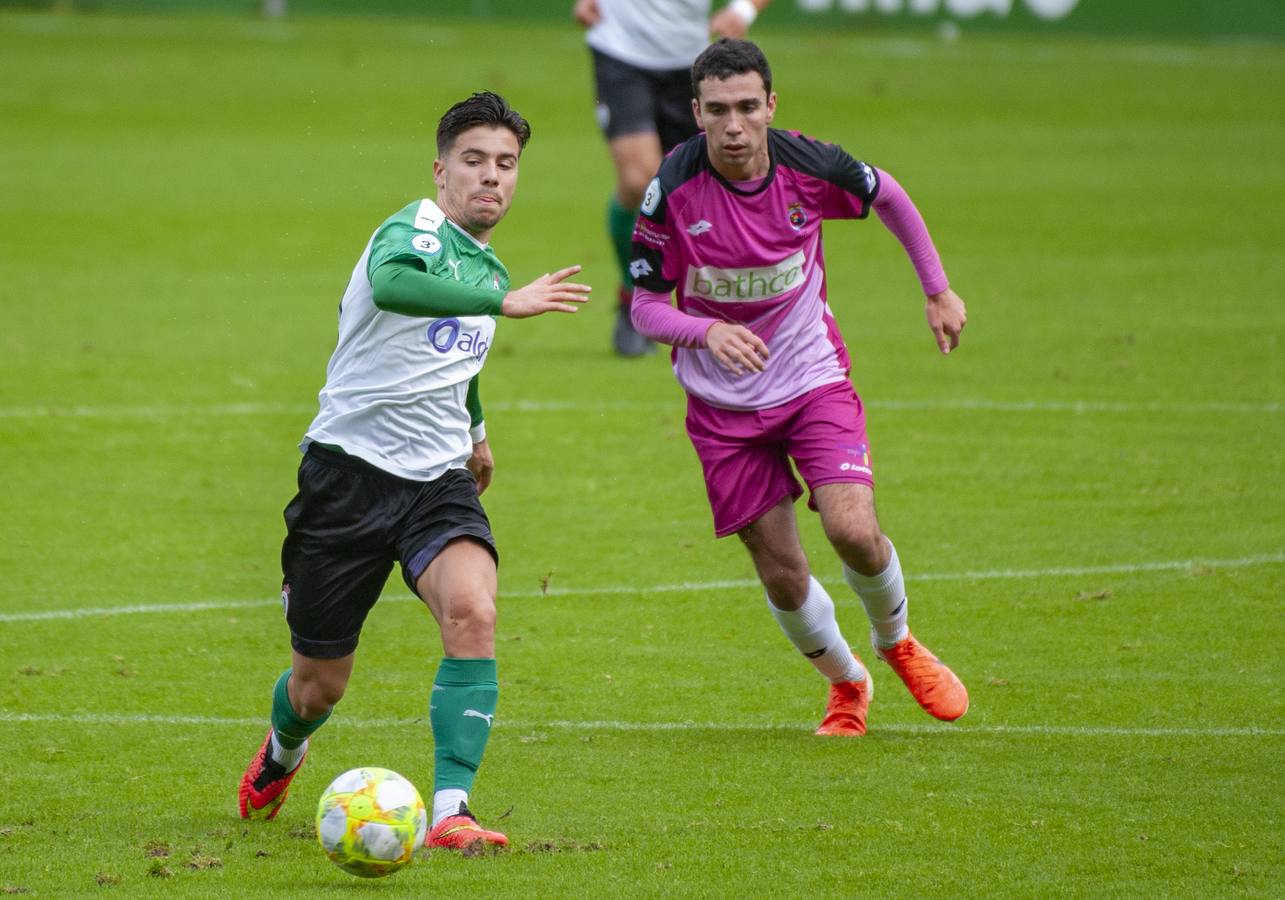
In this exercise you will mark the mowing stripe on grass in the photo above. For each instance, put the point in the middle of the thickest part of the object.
(564, 725)
(161, 411)
(735, 583)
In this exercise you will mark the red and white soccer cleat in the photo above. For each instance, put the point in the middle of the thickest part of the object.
(930, 682)
(461, 832)
(265, 784)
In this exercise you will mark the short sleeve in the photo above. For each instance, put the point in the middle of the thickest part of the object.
(853, 185)
(654, 264)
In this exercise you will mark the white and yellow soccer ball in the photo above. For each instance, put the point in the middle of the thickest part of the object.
(370, 822)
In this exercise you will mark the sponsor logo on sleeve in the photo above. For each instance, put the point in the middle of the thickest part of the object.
(651, 199)
(646, 233)
(749, 285)
(640, 268)
(426, 243)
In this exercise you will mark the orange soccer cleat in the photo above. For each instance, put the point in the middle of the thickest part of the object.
(845, 714)
(930, 682)
(265, 784)
(461, 832)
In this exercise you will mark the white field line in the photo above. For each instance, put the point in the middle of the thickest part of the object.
(728, 584)
(564, 725)
(1078, 407)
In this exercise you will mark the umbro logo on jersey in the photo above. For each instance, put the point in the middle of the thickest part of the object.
(639, 267)
(699, 228)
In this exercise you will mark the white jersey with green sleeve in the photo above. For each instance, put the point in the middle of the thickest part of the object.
(396, 385)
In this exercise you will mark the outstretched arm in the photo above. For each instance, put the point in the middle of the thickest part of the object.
(944, 309)
(404, 287)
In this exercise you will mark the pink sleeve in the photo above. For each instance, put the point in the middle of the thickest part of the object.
(900, 216)
(655, 318)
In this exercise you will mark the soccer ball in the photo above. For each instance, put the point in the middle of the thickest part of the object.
(370, 822)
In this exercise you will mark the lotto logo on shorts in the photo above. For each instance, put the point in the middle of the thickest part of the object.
(858, 459)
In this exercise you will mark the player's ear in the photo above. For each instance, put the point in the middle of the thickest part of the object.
(439, 174)
(771, 107)
(696, 113)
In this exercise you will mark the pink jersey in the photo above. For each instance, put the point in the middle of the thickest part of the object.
(753, 256)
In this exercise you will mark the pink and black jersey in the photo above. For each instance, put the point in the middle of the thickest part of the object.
(751, 254)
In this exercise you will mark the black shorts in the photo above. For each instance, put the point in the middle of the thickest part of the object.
(633, 100)
(346, 527)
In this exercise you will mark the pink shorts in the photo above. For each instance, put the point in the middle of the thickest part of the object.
(746, 454)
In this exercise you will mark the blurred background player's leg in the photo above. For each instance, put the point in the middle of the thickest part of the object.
(637, 157)
(629, 110)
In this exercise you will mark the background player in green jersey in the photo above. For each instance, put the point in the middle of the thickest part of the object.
(395, 460)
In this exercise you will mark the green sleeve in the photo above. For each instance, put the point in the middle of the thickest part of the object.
(473, 402)
(402, 286)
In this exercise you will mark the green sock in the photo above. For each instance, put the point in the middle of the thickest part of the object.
(291, 730)
(460, 712)
(620, 225)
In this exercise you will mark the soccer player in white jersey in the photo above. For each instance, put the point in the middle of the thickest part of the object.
(732, 225)
(395, 461)
(642, 55)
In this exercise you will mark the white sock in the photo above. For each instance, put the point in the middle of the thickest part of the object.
(446, 802)
(290, 759)
(884, 597)
(813, 629)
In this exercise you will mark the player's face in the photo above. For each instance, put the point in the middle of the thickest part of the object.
(476, 180)
(735, 113)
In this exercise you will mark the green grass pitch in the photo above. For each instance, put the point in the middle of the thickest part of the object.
(1089, 498)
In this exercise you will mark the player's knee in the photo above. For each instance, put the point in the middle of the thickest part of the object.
(316, 697)
(861, 543)
(786, 585)
(472, 612)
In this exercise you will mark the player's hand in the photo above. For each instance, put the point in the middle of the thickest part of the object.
(548, 293)
(737, 349)
(728, 23)
(482, 465)
(586, 12)
(946, 317)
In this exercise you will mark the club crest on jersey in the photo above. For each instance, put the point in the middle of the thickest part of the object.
(798, 218)
(426, 243)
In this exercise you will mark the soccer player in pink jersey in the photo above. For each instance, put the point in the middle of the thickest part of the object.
(732, 225)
